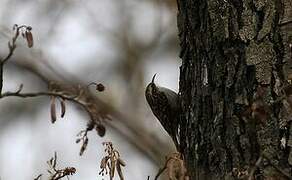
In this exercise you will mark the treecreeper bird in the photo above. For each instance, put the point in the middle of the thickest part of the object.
(165, 105)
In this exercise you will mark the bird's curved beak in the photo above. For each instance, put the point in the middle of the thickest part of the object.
(153, 78)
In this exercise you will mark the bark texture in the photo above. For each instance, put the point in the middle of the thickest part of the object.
(235, 64)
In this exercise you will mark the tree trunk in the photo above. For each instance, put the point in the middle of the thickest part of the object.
(234, 88)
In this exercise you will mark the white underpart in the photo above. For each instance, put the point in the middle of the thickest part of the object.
(171, 96)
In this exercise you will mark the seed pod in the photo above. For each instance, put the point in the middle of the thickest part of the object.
(63, 107)
(28, 28)
(83, 147)
(53, 109)
(29, 38)
(15, 26)
(100, 87)
(90, 126)
(100, 130)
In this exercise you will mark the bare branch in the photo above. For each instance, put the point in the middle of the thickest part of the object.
(26, 31)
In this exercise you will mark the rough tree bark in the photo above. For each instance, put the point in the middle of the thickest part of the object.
(234, 88)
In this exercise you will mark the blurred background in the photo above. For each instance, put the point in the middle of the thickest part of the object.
(120, 43)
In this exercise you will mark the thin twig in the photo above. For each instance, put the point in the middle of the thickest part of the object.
(38, 177)
(36, 94)
(1, 76)
(277, 167)
(285, 23)
(134, 130)
(56, 174)
(259, 161)
(161, 170)
(255, 168)
(11, 46)
(73, 98)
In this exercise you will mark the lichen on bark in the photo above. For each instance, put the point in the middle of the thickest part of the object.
(262, 55)
(238, 45)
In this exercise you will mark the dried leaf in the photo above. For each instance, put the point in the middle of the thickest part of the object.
(113, 167)
(108, 165)
(57, 174)
(111, 161)
(103, 162)
(121, 162)
(120, 173)
(29, 38)
(53, 109)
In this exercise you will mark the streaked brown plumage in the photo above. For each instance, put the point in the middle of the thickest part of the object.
(164, 104)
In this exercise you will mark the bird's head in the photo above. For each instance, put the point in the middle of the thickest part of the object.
(151, 87)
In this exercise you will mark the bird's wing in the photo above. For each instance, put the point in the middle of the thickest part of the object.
(172, 97)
